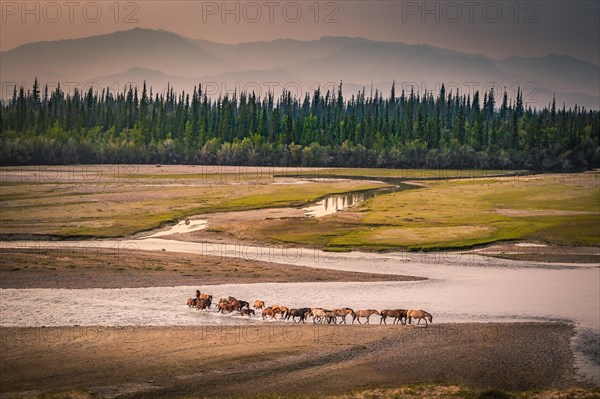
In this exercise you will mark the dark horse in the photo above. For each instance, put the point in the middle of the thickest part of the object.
(293, 313)
(248, 312)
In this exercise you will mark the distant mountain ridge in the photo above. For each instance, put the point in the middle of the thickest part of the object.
(160, 57)
(583, 76)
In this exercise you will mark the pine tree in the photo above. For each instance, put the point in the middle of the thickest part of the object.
(35, 96)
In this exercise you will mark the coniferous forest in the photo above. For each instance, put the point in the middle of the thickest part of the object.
(398, 130)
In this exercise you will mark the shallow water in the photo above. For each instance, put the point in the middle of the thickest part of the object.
(461, 287)
(336, 202)
(181, 227)
(449, 301)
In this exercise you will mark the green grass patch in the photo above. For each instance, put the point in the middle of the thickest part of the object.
(130, 208)
(556, 209)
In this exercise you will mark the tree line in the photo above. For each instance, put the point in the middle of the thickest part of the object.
(410, 130)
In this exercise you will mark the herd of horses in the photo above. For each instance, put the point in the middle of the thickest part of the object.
(318, 315)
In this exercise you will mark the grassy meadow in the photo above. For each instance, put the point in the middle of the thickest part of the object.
(75, 205)
(555, 209)
(478, 208)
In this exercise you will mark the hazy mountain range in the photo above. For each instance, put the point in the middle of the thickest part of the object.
(159, 57)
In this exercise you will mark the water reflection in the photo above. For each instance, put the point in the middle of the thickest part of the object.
(337, 202)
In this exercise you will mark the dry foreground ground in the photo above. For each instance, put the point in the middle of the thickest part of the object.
(73, 268)
(276, 359)
(287, 360)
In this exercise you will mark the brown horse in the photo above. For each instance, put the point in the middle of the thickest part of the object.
(419, 314)
(203, 304)
(343, 312)
(363, 313)
(259, 304)
(397, 314)
(330, 317)
(191, 302)
(225, 307)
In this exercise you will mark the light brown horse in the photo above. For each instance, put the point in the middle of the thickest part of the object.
(363, 313)
(397, 314)
(343, 312)
(259, 304)
(274, 307)
(418, 314)
(317, 313)
(279, 309)
(268, 312)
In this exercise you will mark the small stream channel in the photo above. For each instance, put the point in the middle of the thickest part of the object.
(337, 202)
(323, 206)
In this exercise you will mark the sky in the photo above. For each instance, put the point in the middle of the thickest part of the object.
(493, 28)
